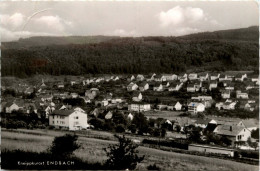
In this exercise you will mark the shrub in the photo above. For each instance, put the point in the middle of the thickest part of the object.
(64, 145)
(120, 128)
(123, 155)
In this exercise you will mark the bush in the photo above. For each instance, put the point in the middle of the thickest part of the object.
(64, 145)
(123, 155)
(120, 128)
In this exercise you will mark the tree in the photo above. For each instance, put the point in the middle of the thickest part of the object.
(255, 133)
(120, 128)
(64, 145)
(123, 155)
(141, 123)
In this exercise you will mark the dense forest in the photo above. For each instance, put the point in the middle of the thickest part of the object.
(216, 51)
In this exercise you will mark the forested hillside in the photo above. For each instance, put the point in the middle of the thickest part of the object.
(137, 55)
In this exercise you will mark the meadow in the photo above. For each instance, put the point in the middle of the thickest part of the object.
(92, 151)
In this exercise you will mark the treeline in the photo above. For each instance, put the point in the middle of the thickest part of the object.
(130, 56)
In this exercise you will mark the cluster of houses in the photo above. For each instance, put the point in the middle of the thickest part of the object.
(48, 97)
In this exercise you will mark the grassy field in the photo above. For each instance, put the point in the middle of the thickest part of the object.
(171, 115)
(92, 151)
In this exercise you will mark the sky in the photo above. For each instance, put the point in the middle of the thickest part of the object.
(115, 18)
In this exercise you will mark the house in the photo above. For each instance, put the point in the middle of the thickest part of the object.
(13, 106)
(204, 77)
(251, 124)
(212, 85)
(90, 95)
(150, 77)
(255, 78)
(203, 123)
(241, 95)
(182, 122)
(139, 77)
(74, 119)
(74, 95)
(109, 115)
(214, 76)
(94, 91)
(29, 108)
(227, 105)
(170, 77)
(233, 132)
(165, 84)
(211, 149)
(46, 97)
(143, 86)
(240, 77)
(130, 117)
(60, 85)
(139, 107)
(195, 107)
(222, 77)
(162, 106)
(175, 86)
(131, 78)
(29, 90)
(193, 76)
(230, 86)
(74, 82)
(117, 100)
(158, 87)
(175, 106)
(132, 86)
(250, 106)
(226, 82)
(137, 96)
(250, 85)
(225, 94)
(191, 88)
(183, 78)
(159, 78)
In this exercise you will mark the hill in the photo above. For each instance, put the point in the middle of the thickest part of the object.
(217, 51)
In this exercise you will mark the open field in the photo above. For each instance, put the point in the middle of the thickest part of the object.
(162, 114)
(92, 151)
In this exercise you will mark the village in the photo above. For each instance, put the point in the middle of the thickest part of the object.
(217, 109)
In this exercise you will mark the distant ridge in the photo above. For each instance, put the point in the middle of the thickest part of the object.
(242, 34)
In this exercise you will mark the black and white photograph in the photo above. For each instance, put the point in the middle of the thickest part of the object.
(130, 85)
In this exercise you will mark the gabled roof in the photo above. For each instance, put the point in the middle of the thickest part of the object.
(63, 112)
(136, 93)
(250, 123)
(228, 130)
(142, 84)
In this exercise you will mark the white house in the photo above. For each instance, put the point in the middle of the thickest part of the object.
(175, 106)
(175, 86)
(109, 115)
(130, 116)
(212, 85)
(132, 86)
(131, 78)
(143, 86)
(214, 76)
(10, 107)
(191, 88)
(195, 107)
(204, 77)
(241, 95)
(137, 96)
(228, 105)
(233, 132)
(240, 77)
(139, 107)
(72, 119)
(225, 94)
(139, 77)
(193, 76)
(170, 77)
(158, 87)
(159, 78)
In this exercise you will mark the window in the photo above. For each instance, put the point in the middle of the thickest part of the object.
(57, 121)
(53, 122)
(76, 117)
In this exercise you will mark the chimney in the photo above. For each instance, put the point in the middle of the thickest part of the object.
(230, 128)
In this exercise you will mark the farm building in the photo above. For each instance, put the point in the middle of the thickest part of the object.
(211, 149)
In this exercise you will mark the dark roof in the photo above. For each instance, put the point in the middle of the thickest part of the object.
(62, 112)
